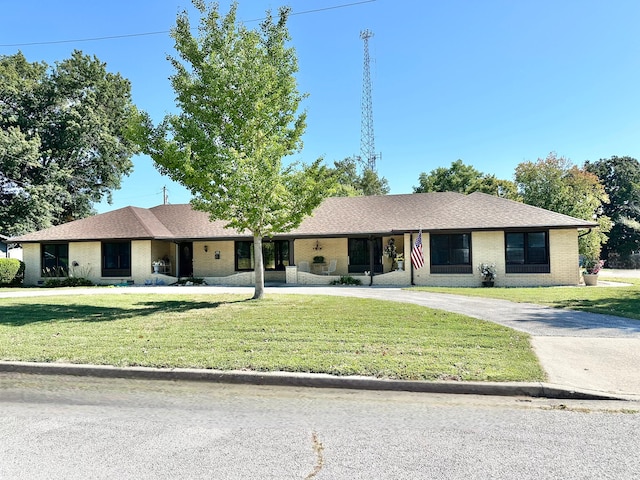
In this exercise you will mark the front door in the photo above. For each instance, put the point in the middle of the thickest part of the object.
(185, 264)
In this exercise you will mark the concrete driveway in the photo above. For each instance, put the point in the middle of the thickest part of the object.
(577, 349)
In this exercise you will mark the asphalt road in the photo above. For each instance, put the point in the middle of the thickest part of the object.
(83, 428)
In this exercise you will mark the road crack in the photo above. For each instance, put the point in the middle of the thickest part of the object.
(318, 448)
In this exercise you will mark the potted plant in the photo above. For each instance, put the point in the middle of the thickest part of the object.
(156, 265)
(488, 274)
(400, 261)
(318, 259)
(590, 269)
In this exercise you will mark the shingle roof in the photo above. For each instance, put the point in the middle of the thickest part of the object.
(337, 216)
(186, 223)
(124, 223)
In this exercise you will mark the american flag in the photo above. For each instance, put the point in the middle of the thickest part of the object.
(417, 258)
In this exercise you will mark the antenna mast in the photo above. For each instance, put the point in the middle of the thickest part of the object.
(367, 141)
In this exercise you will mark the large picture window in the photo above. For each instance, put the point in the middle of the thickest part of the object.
(275, 255)
(527, 252)
(55, 260)
(116, 259)
(450, 253)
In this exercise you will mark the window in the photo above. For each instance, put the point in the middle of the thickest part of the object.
(527, 252)
(450, 253)
(55, 259)
(275, 255)
(116, 259)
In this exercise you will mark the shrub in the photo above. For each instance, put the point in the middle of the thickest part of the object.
(347, 280)
(190, 281)
(11, 271)
(67, 282)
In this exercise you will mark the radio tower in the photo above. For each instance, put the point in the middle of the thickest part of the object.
(367, 142)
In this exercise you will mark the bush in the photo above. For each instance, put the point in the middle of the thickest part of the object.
(631, 261)
(67, 282)
(347, 280)
(11, 271)
(190, 281)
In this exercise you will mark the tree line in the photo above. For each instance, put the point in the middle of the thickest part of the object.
(606, 191)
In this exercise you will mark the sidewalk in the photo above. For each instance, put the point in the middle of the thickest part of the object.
(582, 353)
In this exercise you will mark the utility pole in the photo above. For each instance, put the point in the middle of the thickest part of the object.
(165, 197)
(367, 141)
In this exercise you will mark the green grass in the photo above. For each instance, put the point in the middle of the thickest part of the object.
(620, 301)
(292, 333)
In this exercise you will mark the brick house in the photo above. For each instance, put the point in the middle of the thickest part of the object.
(530, 246)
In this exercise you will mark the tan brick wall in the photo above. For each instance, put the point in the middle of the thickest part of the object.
(31, 258)
(87, 255)
(397, 278)
(141, 259)
(206, 265)
(243, 279)
(331, 249)
(488, 247)
(564, 257)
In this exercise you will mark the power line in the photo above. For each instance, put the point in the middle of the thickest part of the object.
(144, 34)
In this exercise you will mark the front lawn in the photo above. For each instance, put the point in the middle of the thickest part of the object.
(620, 301)
(340, 336)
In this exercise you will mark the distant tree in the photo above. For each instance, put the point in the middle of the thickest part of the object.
(370, 183)
(63, 139)
(492, 185)
(237, 95)
(620, 177)
(346, 174)
(558, 185)
(457, 178)
(350, 183)
(465, 179)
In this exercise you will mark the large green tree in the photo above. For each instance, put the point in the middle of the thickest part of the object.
(63, 139)
(556, 184)
(620, 177)
(350, 183)
(463, 178)
(238, 100)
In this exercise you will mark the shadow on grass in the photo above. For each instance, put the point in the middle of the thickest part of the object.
(628, 307)
(20, 314)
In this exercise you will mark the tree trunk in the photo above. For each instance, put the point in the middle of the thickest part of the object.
(259, 267)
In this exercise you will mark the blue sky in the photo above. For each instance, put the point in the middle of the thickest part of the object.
(493, 82)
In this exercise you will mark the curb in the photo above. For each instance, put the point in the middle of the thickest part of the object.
(287, 379)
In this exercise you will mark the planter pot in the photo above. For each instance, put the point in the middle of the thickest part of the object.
(156, 268)
(400, 264)
(590, 279)
(487, 283)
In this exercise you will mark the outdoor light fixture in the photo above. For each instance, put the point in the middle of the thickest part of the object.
(217, 254)
(206, 248)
